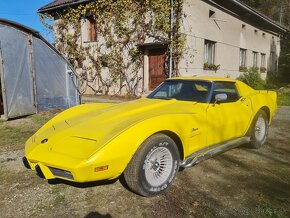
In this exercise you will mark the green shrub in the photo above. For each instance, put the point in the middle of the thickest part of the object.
(253, 79)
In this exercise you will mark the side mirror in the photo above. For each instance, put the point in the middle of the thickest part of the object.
(220, 98)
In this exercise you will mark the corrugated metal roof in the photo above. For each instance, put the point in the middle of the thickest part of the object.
(20, 26)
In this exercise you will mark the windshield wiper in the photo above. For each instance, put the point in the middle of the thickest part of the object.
(165, 98)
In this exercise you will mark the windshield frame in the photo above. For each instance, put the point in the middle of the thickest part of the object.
(150, 96)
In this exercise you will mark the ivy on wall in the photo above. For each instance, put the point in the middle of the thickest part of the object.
(114, 61)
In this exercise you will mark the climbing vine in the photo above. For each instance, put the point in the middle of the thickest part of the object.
(112, 64)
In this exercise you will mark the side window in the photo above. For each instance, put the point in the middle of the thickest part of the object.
(228, 88)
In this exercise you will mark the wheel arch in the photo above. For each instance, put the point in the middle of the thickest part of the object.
(267, 111)
(176, 139)
(263, 108)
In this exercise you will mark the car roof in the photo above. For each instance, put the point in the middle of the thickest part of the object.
(205, 78)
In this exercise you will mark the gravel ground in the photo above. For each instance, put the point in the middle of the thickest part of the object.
(240, 182)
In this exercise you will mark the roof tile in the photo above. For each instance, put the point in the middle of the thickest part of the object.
(56, 3)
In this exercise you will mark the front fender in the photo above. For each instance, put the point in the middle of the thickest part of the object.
(118, 152)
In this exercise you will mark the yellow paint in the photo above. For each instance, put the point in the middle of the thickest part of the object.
(86, 137)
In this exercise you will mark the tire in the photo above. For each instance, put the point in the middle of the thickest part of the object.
(153, 167)
(259, 130)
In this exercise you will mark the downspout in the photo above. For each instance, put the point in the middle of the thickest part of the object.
(171, 37)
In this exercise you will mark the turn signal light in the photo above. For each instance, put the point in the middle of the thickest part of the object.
(101, 168)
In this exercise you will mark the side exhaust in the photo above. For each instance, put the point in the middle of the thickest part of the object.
(211, 151)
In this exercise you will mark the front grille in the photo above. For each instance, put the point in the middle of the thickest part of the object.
(61, 173)
(39, 172)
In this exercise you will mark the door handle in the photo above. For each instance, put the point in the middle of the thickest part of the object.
(243, 99)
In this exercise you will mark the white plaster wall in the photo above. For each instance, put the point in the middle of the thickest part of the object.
(197, 27)
(229, 36)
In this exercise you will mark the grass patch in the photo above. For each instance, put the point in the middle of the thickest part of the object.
(14, 133)
(13, 138)
(43, 117)
(283, 99)
(267, 210)
(8, 160)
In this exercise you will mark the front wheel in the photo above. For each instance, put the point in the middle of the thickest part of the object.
(154, 166)
(259, 130)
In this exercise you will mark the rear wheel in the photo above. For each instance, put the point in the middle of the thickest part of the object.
(154, 166)
(259, 130)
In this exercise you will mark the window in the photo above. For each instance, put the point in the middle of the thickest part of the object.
(255, 59)
(263, 60)
(92, 34)
(209, 52)
(183, 90)
(273, 61)
(228, 88)
(243, 57)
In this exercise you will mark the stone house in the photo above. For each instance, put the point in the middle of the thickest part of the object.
(221, 38)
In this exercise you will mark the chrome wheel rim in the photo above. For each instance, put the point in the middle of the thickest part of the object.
(158, 166)
(260, 128)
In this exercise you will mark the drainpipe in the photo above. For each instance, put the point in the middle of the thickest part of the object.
(171, 36)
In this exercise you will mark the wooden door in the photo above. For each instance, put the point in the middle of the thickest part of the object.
(156, 67)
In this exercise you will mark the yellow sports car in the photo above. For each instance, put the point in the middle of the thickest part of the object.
(181, 123)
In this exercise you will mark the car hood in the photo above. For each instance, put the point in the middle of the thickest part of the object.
(81, 134)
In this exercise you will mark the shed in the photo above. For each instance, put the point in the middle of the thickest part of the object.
(34, 75)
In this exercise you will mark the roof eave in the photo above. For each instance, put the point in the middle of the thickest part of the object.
(262, 16)
(58, 7)
(275, 29)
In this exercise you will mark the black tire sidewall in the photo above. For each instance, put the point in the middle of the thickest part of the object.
(255, 143)
(153, 144)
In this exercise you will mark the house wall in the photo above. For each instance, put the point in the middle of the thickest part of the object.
(228, 33)
(95, 84)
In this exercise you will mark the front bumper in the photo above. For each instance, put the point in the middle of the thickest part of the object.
(47, 172)
(80, 175)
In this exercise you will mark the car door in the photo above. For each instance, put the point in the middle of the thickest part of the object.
(227, 119)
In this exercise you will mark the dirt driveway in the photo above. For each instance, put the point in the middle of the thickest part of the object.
(241, 182)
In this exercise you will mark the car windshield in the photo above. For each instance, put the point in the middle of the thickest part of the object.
(184, 90)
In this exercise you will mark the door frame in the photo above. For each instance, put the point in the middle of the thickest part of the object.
(156, 53)
(145, 48)
(2, 81)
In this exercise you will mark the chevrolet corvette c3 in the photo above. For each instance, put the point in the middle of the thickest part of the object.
(181, 123)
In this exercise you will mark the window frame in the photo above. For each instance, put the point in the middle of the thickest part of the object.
(209, 45)
(243, 57)
(91, 29)
(263, 60)
(255, 59)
